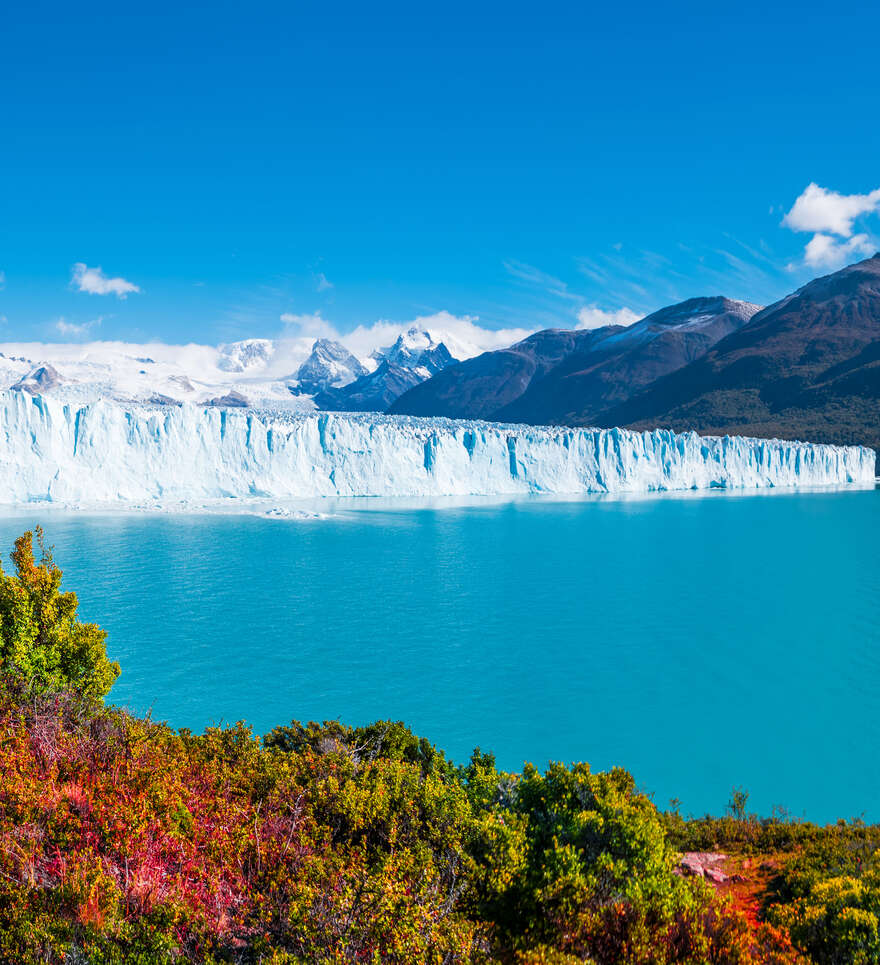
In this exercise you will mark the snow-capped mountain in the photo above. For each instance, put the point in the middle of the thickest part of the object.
(373, 392)
(330, 366)
(415, 356)
(300, 373)
(250, 355)
(418, 350)
(697, 315)
(305, 373)
(41, 380)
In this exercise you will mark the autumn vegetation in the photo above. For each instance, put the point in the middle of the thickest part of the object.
(123, 840)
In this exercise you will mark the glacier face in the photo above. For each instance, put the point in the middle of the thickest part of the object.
(106, 452)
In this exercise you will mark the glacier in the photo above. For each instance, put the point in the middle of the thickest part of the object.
(108, 452)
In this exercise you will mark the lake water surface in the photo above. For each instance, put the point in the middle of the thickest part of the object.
(701, 642)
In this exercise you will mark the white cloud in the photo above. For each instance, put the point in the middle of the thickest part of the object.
(828, 214)
(93, 281)
(74, 330)
(323, 283)
(821, 210)
(591, 317)
(311, 325)
(824, 251)
(462, 335)
(2, 280)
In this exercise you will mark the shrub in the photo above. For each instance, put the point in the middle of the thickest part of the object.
(40, 636)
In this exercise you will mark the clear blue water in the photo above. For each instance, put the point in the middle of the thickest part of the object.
(700, 642)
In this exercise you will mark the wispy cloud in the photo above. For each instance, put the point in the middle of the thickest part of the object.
(646, 280)
(831, 217)
(93, 281)
(588, 314)
(76, 330)
(322, 282)
(534, 276)
(2, 280)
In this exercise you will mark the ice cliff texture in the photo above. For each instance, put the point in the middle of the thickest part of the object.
(108, 452)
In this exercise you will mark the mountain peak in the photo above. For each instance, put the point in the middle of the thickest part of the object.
(244, 356)
(702, 307)
(564, 375)
(329, 365)
(416, 349)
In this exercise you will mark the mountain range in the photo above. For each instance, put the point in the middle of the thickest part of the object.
(805, 367)
(299, 373)
(413, 358)
(571, 377)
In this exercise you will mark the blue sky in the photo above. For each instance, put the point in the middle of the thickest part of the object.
(520, 163)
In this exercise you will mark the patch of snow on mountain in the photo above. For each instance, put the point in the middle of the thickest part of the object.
(330, 365)
(418, 350)
(687, 317)
(253, 353)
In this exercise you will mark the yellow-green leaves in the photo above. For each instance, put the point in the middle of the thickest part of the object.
(41, 638)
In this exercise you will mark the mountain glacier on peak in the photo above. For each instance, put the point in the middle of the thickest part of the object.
(330, 365)
(284, 373)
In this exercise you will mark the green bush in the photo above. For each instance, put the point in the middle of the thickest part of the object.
(40, 636)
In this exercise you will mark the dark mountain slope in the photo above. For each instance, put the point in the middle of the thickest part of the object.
(373, 392)
(480, 387)
(559, 376)
(808, 367)
(581, 387)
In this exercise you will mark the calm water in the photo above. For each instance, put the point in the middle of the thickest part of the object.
(700, 642)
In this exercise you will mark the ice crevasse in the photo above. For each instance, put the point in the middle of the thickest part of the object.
(110, 452)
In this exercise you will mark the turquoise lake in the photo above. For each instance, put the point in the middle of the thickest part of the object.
(701, 642)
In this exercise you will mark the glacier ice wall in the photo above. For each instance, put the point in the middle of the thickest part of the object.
(109, 452)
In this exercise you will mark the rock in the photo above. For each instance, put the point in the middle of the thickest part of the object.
(232, 400)
(330, 366)
(40, 380)
(182, 382)
(699, 864)
(710, 857)
(690, 865)
(715, 875)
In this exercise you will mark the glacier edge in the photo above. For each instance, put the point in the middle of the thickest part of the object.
(109, 452)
